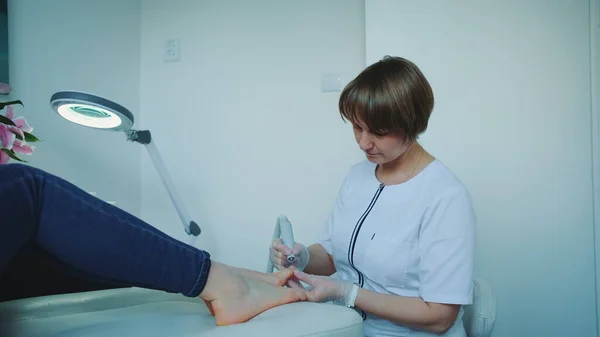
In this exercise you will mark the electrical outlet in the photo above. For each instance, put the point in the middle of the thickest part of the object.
(172, 50)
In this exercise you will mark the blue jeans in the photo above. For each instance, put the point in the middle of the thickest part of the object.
(90, 238)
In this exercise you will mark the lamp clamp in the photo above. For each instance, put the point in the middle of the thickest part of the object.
(139, 136)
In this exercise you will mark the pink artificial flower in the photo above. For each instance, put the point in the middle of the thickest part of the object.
(20, 122)
(5, 89)
(8, 133)
(22, 147)
(12, 137)
(7, 138)
(4, 158)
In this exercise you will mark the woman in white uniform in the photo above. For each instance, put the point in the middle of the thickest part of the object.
(401, 235)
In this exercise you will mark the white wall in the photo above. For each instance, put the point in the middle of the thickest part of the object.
(595, 79)
(86, 45)
(241, 121)
(247, 134)
(512, 119)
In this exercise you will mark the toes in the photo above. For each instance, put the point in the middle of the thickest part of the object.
(294, 283)
(285, 275)
(301, 294)
(295, 295)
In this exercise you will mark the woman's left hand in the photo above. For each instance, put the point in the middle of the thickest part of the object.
(324, 288)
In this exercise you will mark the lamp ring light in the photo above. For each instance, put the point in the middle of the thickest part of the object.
(100, 113)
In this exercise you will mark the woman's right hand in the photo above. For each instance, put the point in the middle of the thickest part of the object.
(279, 252)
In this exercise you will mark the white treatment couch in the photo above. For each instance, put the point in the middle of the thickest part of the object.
(135, 312)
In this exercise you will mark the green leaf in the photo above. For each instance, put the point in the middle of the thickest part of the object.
(29, 138)
(3, 104)
(13, 155)
(6, 120)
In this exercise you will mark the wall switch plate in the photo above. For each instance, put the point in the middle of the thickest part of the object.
(172, 50)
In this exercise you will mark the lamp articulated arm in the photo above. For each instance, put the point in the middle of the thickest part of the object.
(145, 137)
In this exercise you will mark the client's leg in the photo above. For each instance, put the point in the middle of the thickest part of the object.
(102, 240)
(91, 235)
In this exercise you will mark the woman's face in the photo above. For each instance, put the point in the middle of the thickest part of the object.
(379, 149)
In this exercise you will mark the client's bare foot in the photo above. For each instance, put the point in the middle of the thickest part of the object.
(235, 296)
(279, 278)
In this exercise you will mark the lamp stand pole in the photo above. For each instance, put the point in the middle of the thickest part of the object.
(144, 137)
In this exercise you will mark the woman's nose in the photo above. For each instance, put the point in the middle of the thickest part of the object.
(364, 141)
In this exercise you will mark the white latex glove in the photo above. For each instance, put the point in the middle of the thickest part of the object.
(278, 253)
(325, 289)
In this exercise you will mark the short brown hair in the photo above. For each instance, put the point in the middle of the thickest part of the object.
(390, 96)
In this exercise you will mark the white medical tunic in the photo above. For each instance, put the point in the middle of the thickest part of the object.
(413, 239)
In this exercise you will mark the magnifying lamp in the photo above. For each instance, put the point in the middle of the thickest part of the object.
(97, 112)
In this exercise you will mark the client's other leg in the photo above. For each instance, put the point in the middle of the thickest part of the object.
(102, 240)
